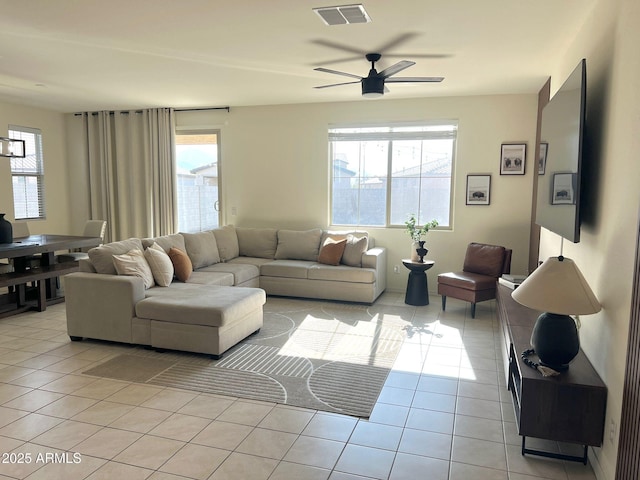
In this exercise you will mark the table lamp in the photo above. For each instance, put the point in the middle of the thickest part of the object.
(557, 288)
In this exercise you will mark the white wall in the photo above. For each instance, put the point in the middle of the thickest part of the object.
(605, 254)
(275, 170)
(56, 184)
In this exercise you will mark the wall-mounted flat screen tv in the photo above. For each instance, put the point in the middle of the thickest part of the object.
(561, 150)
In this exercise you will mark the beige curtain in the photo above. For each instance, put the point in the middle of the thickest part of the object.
(131, 171)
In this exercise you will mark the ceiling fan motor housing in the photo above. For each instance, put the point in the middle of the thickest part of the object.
(372, 86)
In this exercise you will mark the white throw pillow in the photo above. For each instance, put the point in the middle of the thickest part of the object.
(134, 264)
(160, 264)
(354, 249)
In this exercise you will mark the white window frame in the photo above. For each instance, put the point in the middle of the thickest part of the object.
(440, 129)
(34, 205)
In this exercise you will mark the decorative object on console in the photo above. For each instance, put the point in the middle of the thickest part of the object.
(11, 148)
(421, 251)
(512, 158)
(511, 281)
(416, 233)
(6, 230)
(558, 288)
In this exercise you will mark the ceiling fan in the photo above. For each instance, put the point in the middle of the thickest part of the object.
(373, 85)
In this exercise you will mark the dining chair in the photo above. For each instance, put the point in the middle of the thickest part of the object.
(21, 230)
(93, 228)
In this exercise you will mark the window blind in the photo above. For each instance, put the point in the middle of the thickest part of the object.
(28, 175)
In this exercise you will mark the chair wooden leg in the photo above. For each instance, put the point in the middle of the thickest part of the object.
(473, 310)
(444, 302)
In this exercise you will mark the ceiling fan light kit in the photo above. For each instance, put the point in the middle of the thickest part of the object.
(372, 87)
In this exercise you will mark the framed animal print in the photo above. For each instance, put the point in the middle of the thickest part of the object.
(513, 158)
(478, 189)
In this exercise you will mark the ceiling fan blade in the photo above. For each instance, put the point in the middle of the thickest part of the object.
(335, 84)
(417, 55)
(398, 67)
(413, 79)
(339, 46)
(402, 38)
(336, 72)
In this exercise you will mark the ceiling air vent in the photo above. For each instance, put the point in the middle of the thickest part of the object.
(342, 15)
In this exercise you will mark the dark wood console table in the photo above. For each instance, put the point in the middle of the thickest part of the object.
(569, 407)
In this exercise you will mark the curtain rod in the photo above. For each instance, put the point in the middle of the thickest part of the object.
(228, 109)
(125, 112)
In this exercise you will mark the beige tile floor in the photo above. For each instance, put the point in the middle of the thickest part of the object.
(444, 414)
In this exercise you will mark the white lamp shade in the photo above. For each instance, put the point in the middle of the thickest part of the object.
(557, 286)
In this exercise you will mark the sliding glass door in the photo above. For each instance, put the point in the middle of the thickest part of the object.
(197, 161)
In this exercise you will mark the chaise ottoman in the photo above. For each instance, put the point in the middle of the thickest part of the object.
(199, 319)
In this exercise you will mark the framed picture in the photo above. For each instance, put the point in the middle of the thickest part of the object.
(563, 189)
(478, 189)
(542, 161)
(512, 158)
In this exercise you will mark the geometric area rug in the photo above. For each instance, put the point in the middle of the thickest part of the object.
(317, 355)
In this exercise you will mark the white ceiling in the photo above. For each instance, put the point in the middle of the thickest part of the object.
(76, 55)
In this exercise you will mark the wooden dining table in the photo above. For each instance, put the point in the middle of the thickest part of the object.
(42, 247)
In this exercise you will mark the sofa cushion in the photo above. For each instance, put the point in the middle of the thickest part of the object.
(134, 264)
(258, 262)
(331, 251)
(201, 248)
(257, 242)
(241, 273)
(227, 240)
(298, 245)
(166, 242)
(217, 307)
(160, 264)
(181, 264)
(354, 249)
(286, 268)
(211, 278)
(342, 273)
(102, 256)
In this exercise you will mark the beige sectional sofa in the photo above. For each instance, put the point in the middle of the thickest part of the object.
(219, 300)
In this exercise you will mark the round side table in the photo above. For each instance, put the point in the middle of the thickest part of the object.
(417, 286)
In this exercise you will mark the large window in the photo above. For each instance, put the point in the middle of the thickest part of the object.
(197, 182)
(27, 175)
(380, 175)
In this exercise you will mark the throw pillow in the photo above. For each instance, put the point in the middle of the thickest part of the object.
(160, 263)
(134, 264)
(201, 248)
(181, 264)
(354, 249)
(102, 257)
(166, 242)
(331, 251)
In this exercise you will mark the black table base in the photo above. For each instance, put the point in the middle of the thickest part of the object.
(417, 293)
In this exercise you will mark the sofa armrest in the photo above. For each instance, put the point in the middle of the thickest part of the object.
(101, 306)
(376, 258)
